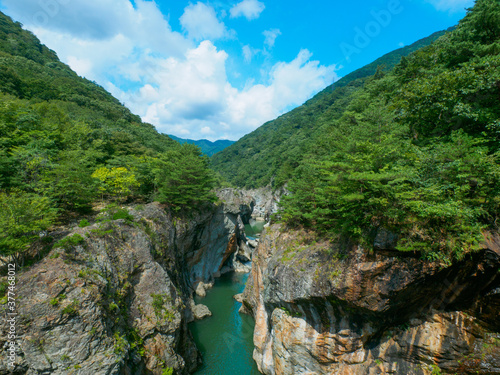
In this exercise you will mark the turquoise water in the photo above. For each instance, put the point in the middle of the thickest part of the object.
(252, 230)
(226, 338)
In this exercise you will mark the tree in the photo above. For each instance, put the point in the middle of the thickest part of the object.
(68, 182)
(183, 179)
(22, 217)
(116, 181)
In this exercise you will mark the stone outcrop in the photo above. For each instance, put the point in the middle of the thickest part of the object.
(115, 297)
(334, 308)
(201, 312)
(265, 202)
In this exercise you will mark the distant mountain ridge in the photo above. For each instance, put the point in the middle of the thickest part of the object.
(209, 148)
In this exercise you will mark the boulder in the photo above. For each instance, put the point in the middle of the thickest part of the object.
(201, 312)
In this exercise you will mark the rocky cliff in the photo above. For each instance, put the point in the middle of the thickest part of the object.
(334, 308)
(266, 201)
(115, 297)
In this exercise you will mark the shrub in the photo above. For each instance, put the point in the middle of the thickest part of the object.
(70, 241)
(83, 223)
(123, 214)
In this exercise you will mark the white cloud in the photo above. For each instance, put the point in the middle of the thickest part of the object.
(192, 96)
(249, 53)
(250, 9)
(206, 130)
(271, 36)
(200, 21)
(180, 86)
(451, 5)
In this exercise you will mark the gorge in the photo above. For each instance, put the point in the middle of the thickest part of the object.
(116, 296)
(357, 234)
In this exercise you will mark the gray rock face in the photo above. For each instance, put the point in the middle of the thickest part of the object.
(116, 299)
(266, 202)
(201, 312)
(330, 308)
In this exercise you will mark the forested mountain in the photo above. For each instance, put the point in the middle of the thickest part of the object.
(414, 150)
(65, 142)
(273, 150)
(207, 147)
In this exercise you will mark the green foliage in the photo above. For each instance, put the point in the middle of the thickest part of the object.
(71, 241)
(83, 223)
(22, 217)
(435, 370)
(71, 309)
(56, 300)
(3, 288)
(123, 214)
(271, 154)
(121, 344)
(116, 181)
(65, 142)
(413, 150)
(167, 371)
(114, 212)
(189, 186)
(100, 232)
(159, 306)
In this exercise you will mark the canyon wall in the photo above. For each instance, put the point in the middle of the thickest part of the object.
(334, 308)
(115, 297)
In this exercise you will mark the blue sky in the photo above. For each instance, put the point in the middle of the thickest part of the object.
(219, 69)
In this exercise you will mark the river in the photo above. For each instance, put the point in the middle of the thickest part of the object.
(225, 339)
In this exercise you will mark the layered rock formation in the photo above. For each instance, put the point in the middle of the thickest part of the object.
(265, 202)
(334, 308)
(115, 297)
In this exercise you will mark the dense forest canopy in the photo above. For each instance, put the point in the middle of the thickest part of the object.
(65, 143)
(414, 150)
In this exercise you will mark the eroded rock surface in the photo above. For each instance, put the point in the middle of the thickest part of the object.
(265, 202)
(324, 308)
(115, 297)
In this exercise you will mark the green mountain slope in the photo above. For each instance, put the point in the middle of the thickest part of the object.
(207, 147)
(65, 143)
(413, 151)
(273, 150)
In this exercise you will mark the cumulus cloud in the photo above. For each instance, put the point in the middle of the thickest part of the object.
(271, 36)
(192, 97)
(178, 84)
(451, 5)
(201, 22)
(250, 9)
(100, 20)
(249, 53)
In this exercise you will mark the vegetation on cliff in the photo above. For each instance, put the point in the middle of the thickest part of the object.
(413, 150)
(66, 142)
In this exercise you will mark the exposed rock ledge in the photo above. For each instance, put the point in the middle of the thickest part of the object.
(117, 300)
(324, 308)
(265, 202)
